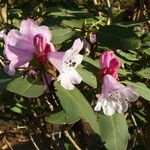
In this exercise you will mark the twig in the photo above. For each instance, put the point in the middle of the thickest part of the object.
(35, 145)
(5, 140)
(21, 127)
(95, 2)
(134, 121)
(71, 140)
(110, 13)
(50, 105)
(2, 63)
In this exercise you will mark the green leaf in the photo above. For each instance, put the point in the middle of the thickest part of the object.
(61, 34)
(14, 13)
(75, 105)
(146, 39)
(4, 80)
(88, 70)
(144, 73)
(89, 60)
(88, 77)
(132, 23)
(117, 37)
(26, 87)
(147, 51)
(114, 131)
(124, 72)
(16, 22)
(142, 89)
(127, 57)
(58, 12)
(18, 108)
(61, 118)
(76, 23)
(140, 116)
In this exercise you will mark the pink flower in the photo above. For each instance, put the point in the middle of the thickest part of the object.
(109, 64)
(30, 41)
(66, 63)
(115, 96)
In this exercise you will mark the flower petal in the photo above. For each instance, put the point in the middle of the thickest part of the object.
(29, 29)
(75, 78)
(108, 110)
(77, 45)
(17, 57)
(105, 59)
(56, 59)
(78, 59)
(14, 38)
(110, 84)
(74, 50)
(52, 47)
(114, 63)
(65, 81)
(98, 106)
(17, 53)
(124, 105)
(130, 93)
(69, 78)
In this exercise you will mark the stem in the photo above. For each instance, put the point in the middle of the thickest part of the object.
(133, 119)
(50, 94)
(35, 145)
(108, 3)
(8, 143)
(71, 140)
(109, 11)
(46, 81)
(95, 2)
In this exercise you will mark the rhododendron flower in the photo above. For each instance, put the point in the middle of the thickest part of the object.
(109, 64)
(115, 96)
(30, 41)
(66, 63)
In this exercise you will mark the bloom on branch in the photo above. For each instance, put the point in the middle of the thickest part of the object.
(109, 64)
(30, 41)
(115, 96)
(66, 63)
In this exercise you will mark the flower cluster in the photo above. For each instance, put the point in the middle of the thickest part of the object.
(114, 95)
(32, 42)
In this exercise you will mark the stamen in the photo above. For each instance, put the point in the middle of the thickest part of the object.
(73, 64)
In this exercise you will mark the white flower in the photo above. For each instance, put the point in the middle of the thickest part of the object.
(66, 63)
(115, 96)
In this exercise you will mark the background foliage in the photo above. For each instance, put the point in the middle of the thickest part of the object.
(122, 26)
